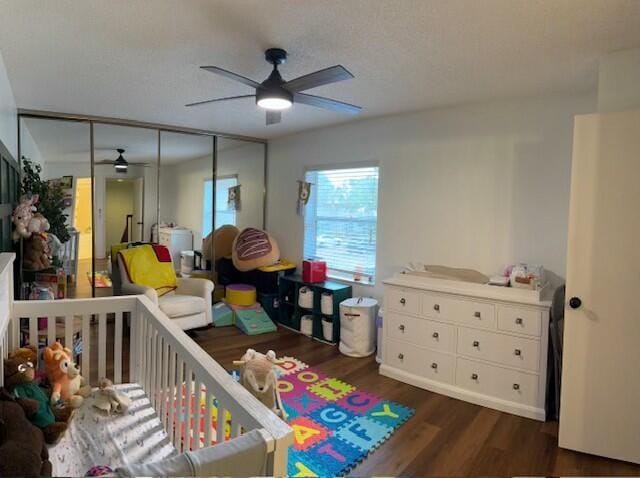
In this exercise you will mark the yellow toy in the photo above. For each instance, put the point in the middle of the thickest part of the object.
(64, 376)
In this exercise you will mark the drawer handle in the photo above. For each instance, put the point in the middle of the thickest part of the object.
(474, 376)
(401, 356)
(519, 321)
(435, 335)
(516, 386)
(403, 301)
(477, 314)
(434, 365)
(436, 307)
(476, 343)
(517, 352)
(401, 328)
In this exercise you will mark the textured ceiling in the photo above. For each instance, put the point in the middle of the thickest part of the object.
(66, 141)
(139, 59)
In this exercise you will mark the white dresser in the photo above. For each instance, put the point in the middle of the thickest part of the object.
(479, 343)
(176, 239)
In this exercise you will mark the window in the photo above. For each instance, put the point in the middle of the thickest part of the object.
(340, 221)
(224, 215)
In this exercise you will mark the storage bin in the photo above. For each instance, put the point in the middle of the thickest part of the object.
(326, 303)
(327, 329)
(379, 326)
(306, 325)
(358, 326)
(305, 298)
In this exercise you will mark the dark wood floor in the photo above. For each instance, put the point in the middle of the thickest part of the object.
(445, 436)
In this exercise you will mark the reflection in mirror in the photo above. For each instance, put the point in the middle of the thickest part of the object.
(186, 164)
(125, 186)
(61, 151)
(240, 163)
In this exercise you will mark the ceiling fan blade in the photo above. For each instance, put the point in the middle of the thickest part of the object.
(326, 103)
(319, 78)
(221, 99)
(273, 117)
(231, 75)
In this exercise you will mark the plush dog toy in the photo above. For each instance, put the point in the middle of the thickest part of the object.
(19, 377)
(259, 377)
(22, 448)
(64, 376)
(108, 399)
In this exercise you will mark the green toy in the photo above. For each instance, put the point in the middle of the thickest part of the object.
(254, 321)
(222, 315)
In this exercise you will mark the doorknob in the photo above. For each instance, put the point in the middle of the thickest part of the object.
(575, 302)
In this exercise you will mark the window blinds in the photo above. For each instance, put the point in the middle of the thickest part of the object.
(224, 215)
(340, 220)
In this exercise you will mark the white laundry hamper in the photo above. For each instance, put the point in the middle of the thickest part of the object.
(358, 326)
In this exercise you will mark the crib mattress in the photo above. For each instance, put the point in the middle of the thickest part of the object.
(94, 438)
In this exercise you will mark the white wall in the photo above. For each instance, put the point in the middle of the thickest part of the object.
(619, 81)
(29, 149)
(8, 113)
(182, 188)
(476, 186)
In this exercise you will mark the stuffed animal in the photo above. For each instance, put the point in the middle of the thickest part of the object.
(36, 253)
(19, 379)
(22, 448)
(30, 354)
(22, 216)
(64, 376)
(258, 375)
(219, 243)
(55, 246)
(108, 399)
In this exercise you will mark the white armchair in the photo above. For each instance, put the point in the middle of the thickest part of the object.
(189, 305)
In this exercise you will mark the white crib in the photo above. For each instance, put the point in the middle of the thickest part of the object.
(162, 359)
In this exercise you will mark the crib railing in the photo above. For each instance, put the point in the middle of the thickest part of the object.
(181, 380)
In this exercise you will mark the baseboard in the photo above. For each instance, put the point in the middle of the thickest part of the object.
(462, 394)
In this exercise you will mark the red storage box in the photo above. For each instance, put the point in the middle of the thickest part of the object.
(314, 271)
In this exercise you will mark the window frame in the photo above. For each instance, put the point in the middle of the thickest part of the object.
(335, 273)
(213, 192)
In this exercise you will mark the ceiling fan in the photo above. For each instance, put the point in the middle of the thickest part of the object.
(275, 94)
(120, 164)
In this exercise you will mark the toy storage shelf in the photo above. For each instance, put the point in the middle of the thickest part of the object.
(290, 312)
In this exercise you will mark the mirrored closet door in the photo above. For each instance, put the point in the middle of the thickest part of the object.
(56, 165)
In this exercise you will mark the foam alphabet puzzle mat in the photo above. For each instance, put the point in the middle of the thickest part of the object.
(336, 426)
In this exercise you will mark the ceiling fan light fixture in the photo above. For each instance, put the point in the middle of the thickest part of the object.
(274, 99)
(120, 164)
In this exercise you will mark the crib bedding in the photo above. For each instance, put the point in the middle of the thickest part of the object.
(95, 438)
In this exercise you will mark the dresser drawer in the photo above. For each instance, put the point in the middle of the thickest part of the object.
(497, 382)
(437, 306)
(502, 349)
(426, 333)
(425, 363)
(520, 320)
(473, 313)
(404, 300)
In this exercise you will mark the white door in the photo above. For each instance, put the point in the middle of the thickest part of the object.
(600, 405)
(138, 208)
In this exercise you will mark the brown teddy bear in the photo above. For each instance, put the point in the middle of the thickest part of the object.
(22, 448)
(19, 374)
(36, 253)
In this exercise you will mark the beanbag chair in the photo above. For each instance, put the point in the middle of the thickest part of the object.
(222, 241)
(254, 248)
